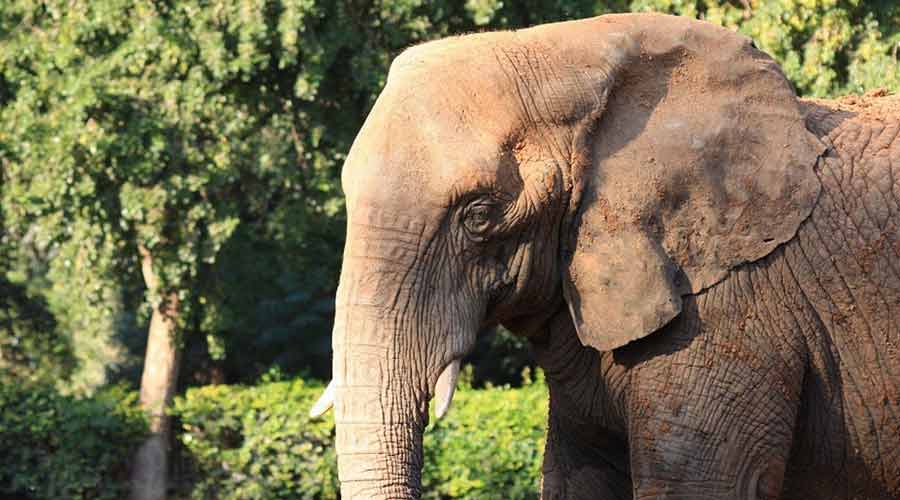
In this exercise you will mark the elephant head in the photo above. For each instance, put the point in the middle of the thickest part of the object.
(609, 165)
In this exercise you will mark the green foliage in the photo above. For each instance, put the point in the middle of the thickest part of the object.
(31, 349)
(56, 446)
(246, 442)
(491, 441)
(257, 442)
(499, 358)
(131, 123)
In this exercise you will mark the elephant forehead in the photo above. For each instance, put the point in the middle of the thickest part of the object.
(460, 75)
(419, 151)
(440, 127)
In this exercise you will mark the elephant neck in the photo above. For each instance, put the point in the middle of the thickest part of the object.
(585, 385)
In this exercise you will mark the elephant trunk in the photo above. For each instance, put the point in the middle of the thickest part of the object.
(379, 427)
(379, 389)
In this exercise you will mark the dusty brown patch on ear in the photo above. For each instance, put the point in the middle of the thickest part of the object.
(626, 282)
(700, 162)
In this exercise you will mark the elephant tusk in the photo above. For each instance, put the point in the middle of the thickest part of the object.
(446, 386)
(325, 402)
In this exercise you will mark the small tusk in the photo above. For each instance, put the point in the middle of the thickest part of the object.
(446, 386)
(325, 402)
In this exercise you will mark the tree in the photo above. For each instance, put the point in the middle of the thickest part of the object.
(31, 347)
(136, 137)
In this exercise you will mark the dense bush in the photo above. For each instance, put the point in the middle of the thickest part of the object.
(257, 442)
(56, 446)
(491, 441)
(248, 442)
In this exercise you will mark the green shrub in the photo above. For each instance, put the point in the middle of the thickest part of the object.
(56, 446)
(490, 444)
(257, 442)
(248, 442)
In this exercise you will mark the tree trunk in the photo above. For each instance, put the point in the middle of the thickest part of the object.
(149, 477)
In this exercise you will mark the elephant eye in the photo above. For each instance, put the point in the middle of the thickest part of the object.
(478, 217)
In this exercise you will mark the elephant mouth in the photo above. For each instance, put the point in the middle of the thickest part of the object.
(444, 389)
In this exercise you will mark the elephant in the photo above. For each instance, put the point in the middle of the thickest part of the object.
(704, 264)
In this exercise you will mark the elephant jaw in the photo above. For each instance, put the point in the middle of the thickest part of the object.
(444, 390)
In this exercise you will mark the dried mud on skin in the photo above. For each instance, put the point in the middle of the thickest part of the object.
(874, 105)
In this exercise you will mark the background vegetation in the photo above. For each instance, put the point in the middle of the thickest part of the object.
(56, 446)
(209, 134)
(256, 442)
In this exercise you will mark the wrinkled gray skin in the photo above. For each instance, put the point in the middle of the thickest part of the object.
(707, 269)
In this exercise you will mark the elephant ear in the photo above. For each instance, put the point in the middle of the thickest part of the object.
(699, 162)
